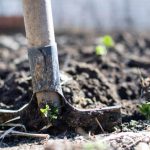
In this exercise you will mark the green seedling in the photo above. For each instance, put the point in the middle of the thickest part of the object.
(50, 112)
(100, 50)
(54, 113)
(145, 110)
(45, 110)
(107, 41)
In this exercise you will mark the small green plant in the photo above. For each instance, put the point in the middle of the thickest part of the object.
(145, 110)
(105, 42)
(45, 110)
(100, 50)
(50, 112)
(108, 41)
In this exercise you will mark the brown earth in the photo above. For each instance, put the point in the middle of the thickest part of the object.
(96, 81)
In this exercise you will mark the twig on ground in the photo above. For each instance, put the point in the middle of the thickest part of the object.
(99, 125)
(5, 133)
(11, 120)
(23, 134)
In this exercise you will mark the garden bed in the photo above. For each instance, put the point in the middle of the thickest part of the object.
(92, 81)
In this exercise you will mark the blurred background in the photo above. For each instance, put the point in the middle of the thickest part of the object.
(101, 15)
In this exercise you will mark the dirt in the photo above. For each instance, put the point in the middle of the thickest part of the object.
(95, 81)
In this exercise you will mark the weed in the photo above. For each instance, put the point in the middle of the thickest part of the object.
(45, 110)
(145, 110)
(50, 112)
(100, 50)
(107, 41)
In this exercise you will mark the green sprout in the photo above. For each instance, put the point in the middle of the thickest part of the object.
(54, 113)
(100, 50)
(107, 41)
(145, 110)
(45, 110)
(50, 112)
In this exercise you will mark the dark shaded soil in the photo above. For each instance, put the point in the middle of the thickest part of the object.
(96, 81)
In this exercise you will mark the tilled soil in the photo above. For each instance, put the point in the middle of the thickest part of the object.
(94, 81)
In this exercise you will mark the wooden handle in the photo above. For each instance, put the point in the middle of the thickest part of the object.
(40, 32)
(38, 22)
